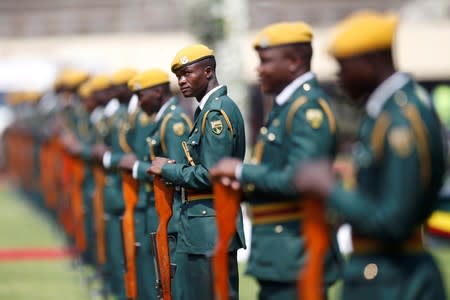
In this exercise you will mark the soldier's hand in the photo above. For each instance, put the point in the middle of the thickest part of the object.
(226, 167)
(127, 161)
(315, 177)
(98, 151)
(157, 165)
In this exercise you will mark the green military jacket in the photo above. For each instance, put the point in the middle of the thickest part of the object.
(302, 128)
(400, 165)
(218, 132)
(171, 129)
(113, 182)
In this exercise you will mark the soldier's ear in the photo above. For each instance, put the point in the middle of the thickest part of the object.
(208, 72)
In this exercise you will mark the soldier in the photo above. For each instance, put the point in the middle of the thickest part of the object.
(300, 126)
(218, 131)
(172, 126)
(400, 165)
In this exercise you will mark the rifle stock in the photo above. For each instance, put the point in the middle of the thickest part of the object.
(163, 202)
(316, 233)
(227, 203)
(130, 192)
(99, 221)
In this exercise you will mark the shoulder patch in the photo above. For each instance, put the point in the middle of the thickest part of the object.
(314, 117)
(401, 140)
(178, 128)
(217, 126)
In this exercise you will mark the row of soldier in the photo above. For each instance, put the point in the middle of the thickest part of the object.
(127, 166)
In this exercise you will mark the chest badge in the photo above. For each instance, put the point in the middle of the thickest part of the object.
(314, 117)
(217, 126)
(178, 128)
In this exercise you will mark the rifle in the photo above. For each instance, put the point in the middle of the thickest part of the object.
(226, 203)
(160, 242)
(130, 192)
(316, 233)
(99, 221)
(77, 204)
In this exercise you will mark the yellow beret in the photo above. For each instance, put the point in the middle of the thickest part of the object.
(85, 90)
(148, 79)
(284, 33)
(190, 55)
(100, 82)
(363, 32)
(123, 76)
(74, 78)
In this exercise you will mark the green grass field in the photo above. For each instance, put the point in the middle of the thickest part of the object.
(23, 226)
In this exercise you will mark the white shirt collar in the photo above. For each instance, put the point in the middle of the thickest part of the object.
(383, 92)
(287, 92)
(96, 114)
(205, 98)
(133, 104)
(112, 106)
(162, 110)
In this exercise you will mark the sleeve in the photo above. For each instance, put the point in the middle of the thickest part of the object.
(304, 143)
(142, 171)
(392, 213)
(215, 144)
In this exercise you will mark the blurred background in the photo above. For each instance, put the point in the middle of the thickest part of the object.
(40, 38)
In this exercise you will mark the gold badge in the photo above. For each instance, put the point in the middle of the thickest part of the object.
(400, 139)
(314, 117)
(178, 128)
(217, 126)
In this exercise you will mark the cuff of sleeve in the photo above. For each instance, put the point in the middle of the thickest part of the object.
(107, 160)
(135, 169)
(238, 171)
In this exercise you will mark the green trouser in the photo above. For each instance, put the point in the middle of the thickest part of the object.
(114, 255)
(392, 277)
(195, 278)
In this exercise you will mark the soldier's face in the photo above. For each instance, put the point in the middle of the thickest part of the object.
(149, 100)
(356, 78)
(273, 70)
(192, 80)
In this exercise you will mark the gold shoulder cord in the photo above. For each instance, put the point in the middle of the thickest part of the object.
(187, 153)
(292, 110)
(163, 132)
(151, 148)
(330, 115)
(204, 121)
(378, 134)
(124, 127)
(420, 132)
(187, 120)
(257, 152)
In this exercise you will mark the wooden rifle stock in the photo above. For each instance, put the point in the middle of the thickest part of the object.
(316, 233)
(226, 203)
(130, 195)
(99, 221)
(163, 202)
(77, 204)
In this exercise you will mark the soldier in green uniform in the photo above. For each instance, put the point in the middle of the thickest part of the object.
(218, 131)
(172, 127)
(116, 113)
(301, 126)
(400, 165)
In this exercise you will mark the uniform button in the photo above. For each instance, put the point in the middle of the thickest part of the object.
(204, 212)
(250, 187)
(263, 130)
(153, 142)
(196, 129)
(217, 98)
(306, 87)
(148, 140)
(276, 122)
(370, 271)
(172, 107)
(279, 228)
(193, 143)
(271, 137)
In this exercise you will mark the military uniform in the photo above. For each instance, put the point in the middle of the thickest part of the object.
(218, 131)
(302, 128)
(400, 164)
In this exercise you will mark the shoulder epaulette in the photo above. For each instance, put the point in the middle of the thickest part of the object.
(378, 134)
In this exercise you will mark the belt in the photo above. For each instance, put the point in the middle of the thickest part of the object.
(363, 245)
(189, 195)
(275, 212)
